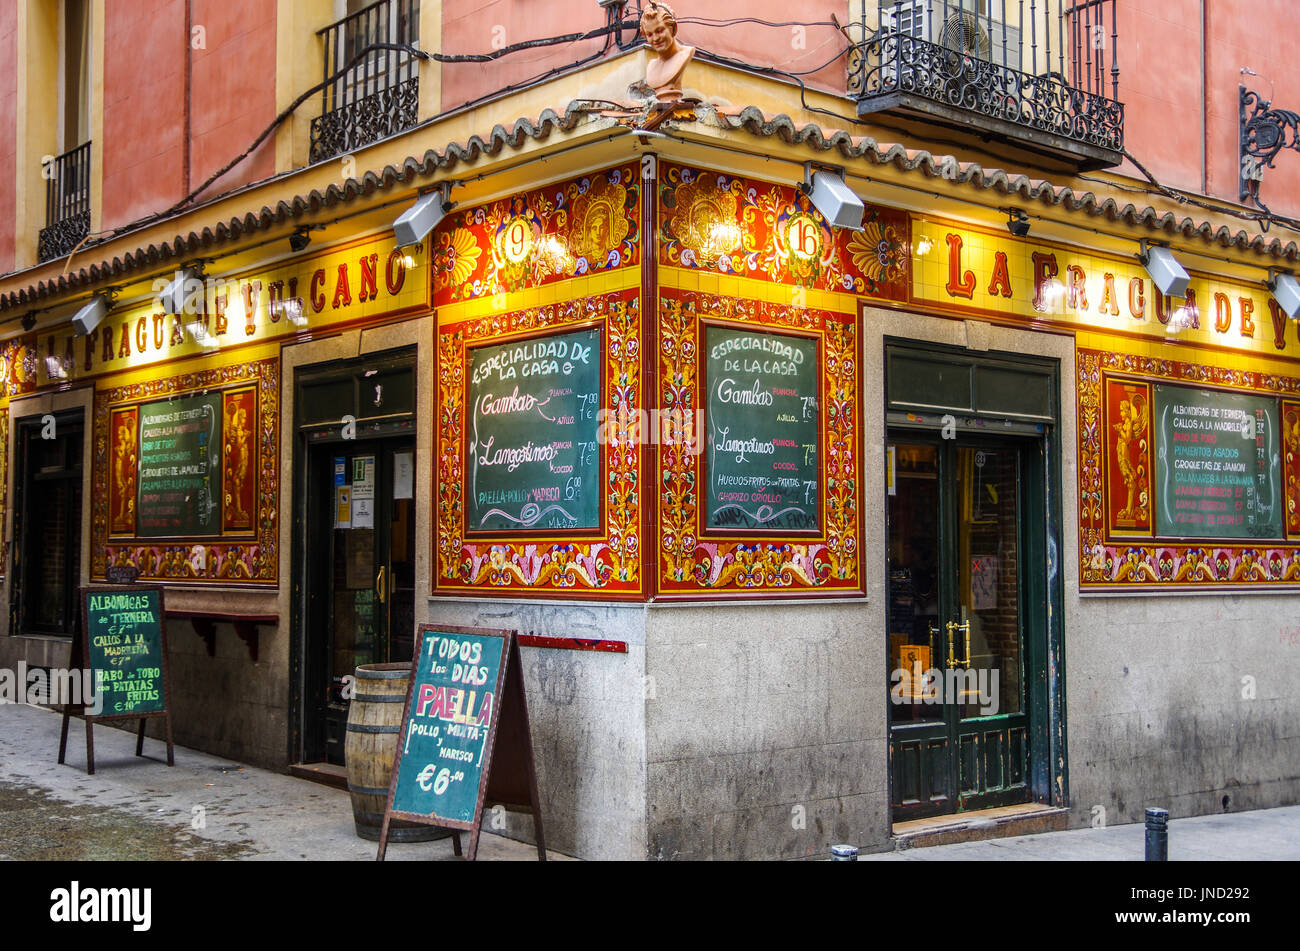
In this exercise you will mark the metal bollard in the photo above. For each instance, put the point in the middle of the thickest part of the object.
(844, 853)
(1157, 835)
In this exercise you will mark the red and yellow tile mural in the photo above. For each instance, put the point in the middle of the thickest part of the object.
(965, 270)
(712, 221)
(1291, 468)
(579, 228)
(1128, 457)
(356, 283)
(516, 533)
(238, 404)
(1118, 445)
(695, 558)
(4, 488)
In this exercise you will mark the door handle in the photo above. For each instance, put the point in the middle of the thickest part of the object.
(380, 588)
(953, 627)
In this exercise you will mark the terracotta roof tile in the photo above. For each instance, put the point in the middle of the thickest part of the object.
(750, 119)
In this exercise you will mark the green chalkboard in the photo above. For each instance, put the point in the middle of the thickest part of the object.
(763, 459)
(446, 740)
(533, 461)
(1217, 466)
(180, 468)
(125, 649)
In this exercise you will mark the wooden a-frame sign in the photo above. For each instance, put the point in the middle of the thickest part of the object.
(121, 639)
(465, 743)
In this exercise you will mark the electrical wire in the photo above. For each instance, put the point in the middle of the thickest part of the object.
(613, 32)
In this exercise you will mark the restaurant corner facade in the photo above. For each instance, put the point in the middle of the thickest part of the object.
(807, 531)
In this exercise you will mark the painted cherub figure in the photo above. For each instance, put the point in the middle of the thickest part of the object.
(1130, 426)
(123, 467)
(664, 71)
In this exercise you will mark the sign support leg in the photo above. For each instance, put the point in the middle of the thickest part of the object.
(139, 739)
(473, 843)
(63, 734)
(171, 757)
(90, 747)
(383, 837)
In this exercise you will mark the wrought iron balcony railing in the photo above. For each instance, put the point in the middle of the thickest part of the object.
(372, 90)
(1043, 74)
(67, 204)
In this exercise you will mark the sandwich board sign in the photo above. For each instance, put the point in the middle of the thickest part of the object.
(465, 743)
(122, 642)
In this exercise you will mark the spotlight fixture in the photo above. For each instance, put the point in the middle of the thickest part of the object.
(91, 314)
(1286, 291)
(1017, 222)
(1169, 276)
(185, 293)
(29, 320)
(413, 224)
(825, 188)
(300, 238)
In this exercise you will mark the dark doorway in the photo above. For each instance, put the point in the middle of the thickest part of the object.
(963, 633)
(355, 544)
(47, 524)
(974, 652)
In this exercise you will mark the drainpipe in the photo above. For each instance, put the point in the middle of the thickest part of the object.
(189, 90)
(1205, 102)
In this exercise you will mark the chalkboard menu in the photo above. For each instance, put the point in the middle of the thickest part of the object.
(465, 741)
(453, 711)
(1217, 467)
(124, 650)
(180, 467)
(763, 443)
(533, 459)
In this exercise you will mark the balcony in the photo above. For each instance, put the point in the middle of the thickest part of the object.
(372, 88)
(67, 204)
(1041, 75)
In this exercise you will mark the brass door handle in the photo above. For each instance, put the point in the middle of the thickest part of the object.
(380, 588)
(953, 627)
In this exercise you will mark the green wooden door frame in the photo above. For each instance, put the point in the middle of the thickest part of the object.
(323, 394)
(973, 390)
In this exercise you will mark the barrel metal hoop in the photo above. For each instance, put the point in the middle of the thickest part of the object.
(368, 790)
(404, 673)
(380, 697)
(368, 728)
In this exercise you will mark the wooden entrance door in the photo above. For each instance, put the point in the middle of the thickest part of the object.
(360, 576)
(967, 575)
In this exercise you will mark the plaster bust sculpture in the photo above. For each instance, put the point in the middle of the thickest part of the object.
(663, 73)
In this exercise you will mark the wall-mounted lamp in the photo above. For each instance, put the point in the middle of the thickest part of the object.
(1169, 276)
(301, 236)
(91, 314)
(184, 294)
(413, 224)
(29, 320)
(829, 194)
(1017, 222)
(1286, 291)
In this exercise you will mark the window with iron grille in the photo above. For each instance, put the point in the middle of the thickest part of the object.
(372, 86)
(1024, 68)
(67, 175)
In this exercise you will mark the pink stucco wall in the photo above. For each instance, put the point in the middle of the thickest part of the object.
(232, 99)
(8, 131)
(473, 26)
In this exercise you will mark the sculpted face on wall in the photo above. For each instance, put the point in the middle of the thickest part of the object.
(664, 71)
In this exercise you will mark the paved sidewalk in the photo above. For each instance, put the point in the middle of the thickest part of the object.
(1262, 835)
(138, 808)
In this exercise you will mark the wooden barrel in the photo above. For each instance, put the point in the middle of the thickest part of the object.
(374, 720)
